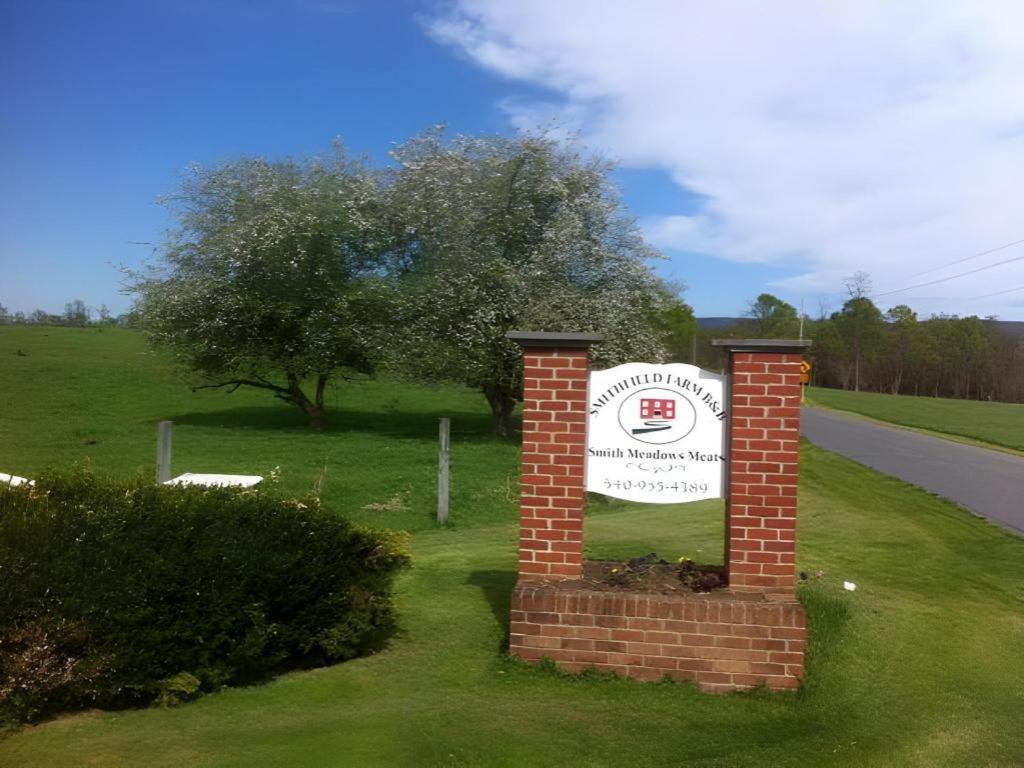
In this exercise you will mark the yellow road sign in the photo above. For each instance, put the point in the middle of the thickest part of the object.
(805, 372)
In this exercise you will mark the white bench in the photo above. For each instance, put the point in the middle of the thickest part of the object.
(216, 481)
(189, 478)
(15, 481)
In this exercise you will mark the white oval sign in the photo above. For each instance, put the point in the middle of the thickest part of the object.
(656, 433)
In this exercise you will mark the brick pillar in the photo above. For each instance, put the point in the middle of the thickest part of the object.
(764, 442)
(555, 367)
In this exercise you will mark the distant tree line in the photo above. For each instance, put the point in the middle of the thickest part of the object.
(76, 315)
(862, 348)
(943, 356)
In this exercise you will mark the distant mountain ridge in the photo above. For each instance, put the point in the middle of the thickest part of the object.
(720, 322)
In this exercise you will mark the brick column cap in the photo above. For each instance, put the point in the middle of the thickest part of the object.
(762, 345)
(557, 339)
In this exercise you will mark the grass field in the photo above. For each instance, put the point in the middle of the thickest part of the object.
(921, 666)
(63, 388)
(999, 424)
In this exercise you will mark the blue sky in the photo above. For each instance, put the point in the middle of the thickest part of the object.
(104, 104)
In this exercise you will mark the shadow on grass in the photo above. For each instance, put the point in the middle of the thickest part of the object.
(828, 620)
(497, 588)
(466, 425)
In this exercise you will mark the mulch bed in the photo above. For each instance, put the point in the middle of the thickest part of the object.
(650, 575)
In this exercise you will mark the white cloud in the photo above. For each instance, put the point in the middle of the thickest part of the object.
(835, 137)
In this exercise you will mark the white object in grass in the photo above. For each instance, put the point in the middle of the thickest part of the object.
(216, 481)
(849, 586)
(15, 481)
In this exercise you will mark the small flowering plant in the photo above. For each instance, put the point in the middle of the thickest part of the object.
(652, 573)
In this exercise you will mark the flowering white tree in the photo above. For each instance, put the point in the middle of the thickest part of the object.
(514, 233)
(272, 278)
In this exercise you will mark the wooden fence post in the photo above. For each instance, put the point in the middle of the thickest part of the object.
(163, 451)
(444, 435)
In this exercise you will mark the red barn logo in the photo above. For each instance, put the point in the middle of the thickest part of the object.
(653, 408)
(657, 415)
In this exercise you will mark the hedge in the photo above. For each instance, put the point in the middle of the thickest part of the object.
(119, 594)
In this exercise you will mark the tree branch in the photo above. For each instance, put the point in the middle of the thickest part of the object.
(236, 383)
(520, 163)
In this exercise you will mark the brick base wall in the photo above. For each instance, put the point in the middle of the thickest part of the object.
(721, 641)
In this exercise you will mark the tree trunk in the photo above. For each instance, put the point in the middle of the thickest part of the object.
(317, 417)
(502, 405)
(321, 385)
(897, 381)
(314, 410)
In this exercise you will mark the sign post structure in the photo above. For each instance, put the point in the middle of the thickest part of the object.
(555, 367)
(764, 450)
(661, 434)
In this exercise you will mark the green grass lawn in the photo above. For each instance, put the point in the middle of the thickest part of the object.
(999, 424)
(62, 388)
(921, 666)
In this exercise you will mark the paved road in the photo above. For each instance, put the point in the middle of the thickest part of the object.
(987, 482)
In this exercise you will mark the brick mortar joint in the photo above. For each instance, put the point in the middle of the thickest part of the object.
(535, 588)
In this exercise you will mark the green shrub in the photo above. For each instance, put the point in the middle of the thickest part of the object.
(115, 594)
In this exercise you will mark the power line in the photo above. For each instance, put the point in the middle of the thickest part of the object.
(998, 293)
(951, 277)
(963, 298)
(968, 258)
